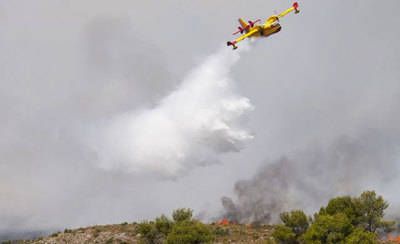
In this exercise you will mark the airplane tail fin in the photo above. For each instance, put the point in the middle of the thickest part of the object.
(243, 23)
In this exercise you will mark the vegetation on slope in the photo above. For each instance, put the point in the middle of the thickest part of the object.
(344, 219)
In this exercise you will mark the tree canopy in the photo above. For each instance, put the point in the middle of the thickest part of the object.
(344, 219)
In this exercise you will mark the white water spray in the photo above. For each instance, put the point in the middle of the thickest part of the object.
(190, 127)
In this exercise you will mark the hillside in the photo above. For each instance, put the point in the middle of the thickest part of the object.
(345, 219)
(127, 233)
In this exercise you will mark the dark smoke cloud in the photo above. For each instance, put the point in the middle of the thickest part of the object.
(307, 179)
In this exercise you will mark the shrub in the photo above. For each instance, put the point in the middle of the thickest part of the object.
(345, 205)
(182, 214)
(295, 223)
(328, 229)
(345, 219)
(149, 233)
(163, 225)
(191, 232)
(296, 220)
(359, 235)
(372, 209)
(182, 230)
(67, 231)
(284, 234)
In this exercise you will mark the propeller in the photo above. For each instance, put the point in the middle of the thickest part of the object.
(252, 23)
(240, 30)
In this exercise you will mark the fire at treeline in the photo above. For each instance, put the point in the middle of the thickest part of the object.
(345, 219)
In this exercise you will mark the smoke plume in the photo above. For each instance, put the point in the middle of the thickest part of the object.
(308, 178)
(190, 127)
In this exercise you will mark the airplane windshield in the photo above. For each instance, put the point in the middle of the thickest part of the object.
(275, 23)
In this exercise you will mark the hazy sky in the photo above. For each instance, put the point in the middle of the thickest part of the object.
(332, 72)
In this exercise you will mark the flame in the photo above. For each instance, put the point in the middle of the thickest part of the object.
(395, 239)
(224, 221)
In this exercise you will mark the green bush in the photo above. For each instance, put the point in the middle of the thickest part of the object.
(349, 220)
(285, 235)
(328, 229)
(67, 231)
(359, 235)
(190, 232)
(296, 220)
(163, 225)
(181, 230)
(372, 209)
(182, 214)
(365, 211)
(345, 205)
(295, 223)
(149, 233)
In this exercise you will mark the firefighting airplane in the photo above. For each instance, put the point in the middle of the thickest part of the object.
(271, 26)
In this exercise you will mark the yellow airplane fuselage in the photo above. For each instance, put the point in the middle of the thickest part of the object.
(265, 31)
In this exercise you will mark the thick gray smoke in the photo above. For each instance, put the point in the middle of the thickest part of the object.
(308, 178)
(188, 128)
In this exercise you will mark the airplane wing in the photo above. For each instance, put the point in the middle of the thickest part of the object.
(295, 8)
(249, 34)
(242, 37)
